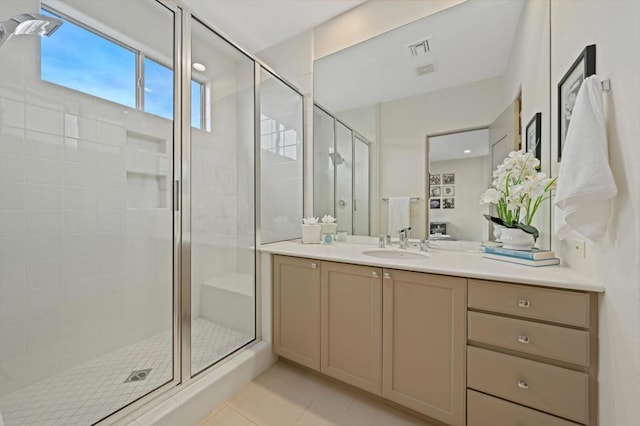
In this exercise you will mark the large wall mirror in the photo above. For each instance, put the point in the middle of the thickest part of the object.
(441, 100)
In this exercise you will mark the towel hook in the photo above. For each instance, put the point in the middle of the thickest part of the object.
(606, 85)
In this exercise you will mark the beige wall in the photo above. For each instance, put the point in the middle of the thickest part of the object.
(613, 27)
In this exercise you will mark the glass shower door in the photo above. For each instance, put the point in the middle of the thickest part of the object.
(281, 162)
(324, 146)
(343, 163)
(221, 194)
(86, 212)
(361, 206)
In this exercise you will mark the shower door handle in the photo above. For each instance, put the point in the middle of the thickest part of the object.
(176, 195)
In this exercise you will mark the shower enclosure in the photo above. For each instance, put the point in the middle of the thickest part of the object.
(128, 212)
(341, 173)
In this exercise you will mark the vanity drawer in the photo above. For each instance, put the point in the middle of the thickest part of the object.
(561, 306)
(555, 390)
(485, 410)
(560, 343)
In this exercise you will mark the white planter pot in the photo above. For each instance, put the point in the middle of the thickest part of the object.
(516, 239)
(497, 230)
(311, 234)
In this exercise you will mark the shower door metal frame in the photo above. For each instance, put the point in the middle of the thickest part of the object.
(157, 393)
(181, 204)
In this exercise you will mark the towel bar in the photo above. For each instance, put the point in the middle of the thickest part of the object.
(412, 199)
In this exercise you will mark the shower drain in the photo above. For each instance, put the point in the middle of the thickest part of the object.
(138, 375)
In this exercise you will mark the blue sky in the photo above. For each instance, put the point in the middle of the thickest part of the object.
(76, 58)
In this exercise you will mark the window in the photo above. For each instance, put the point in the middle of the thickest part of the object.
(197, 101)
(276, 138)
(108, 72)
(81, 59)
(158, 89)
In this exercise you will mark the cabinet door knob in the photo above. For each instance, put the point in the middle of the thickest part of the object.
(522, 384)
(523, 339)
(314, 265)
(374, 274)
(387, 276)
(523, 303)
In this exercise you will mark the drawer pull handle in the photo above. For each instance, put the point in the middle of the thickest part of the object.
(374, 275)
(522, 384)
(387, 276)
(314, 265)
(523, 303)
(523, 339)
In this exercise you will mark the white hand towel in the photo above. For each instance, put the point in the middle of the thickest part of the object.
(585, 182)
(399, 215)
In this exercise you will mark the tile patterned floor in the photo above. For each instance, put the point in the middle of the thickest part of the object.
(285, 395)
(94, 389)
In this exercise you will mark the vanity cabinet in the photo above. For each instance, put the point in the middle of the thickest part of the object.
(296, 310)
(424, 343)
(351, 324)
(531, 355)
(461, 351)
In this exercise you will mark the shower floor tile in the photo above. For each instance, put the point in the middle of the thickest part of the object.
(87, 393)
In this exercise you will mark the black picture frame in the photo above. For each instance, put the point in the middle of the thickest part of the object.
(583, 67)
(533, 137)
(437, 228)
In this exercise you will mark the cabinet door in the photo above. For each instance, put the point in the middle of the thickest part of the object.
(296, 310)
(424, 343)
(351, 311)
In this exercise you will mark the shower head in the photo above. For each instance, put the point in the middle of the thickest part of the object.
(28, 24)
(336, 158)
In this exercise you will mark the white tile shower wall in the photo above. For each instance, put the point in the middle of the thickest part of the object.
(82, 270)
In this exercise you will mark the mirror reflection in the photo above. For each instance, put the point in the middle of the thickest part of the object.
(479, 67)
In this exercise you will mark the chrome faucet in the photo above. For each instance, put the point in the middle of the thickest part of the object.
(404, 237)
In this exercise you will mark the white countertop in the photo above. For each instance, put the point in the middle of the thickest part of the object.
(445, 262)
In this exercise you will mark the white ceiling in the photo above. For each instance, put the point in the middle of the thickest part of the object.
(469, 42)
(258, 24)
(453, 145)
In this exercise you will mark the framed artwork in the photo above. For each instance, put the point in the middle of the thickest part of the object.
(448, 203)
(448, 178)
(434, 203)
(438, 228)
(533, 134)
(448, 191)
(435, 191)
(434, 179)
(583, 67)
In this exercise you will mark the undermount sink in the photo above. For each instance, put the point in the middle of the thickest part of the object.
(396, 254)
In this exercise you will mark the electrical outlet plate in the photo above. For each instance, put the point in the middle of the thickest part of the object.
(579, 248)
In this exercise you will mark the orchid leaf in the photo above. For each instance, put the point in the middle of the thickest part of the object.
(496, 220)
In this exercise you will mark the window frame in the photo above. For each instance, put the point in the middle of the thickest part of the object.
(140, 57)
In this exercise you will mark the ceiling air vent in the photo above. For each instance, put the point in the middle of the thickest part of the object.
(421, 47)
(426, 68)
